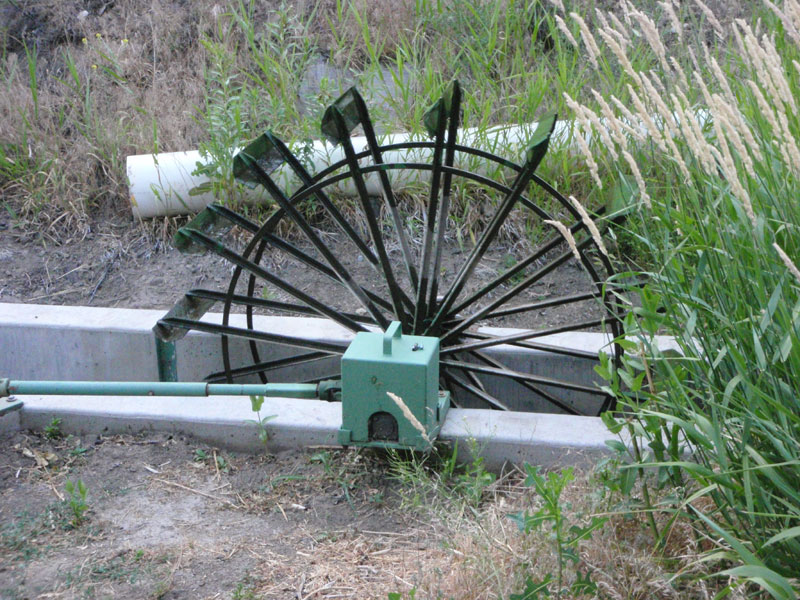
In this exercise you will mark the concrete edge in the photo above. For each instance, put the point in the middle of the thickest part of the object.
(501, 438)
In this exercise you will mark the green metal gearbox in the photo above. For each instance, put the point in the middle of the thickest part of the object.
(382, 373)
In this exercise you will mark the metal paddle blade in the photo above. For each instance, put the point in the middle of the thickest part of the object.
(211, 221)
(540, 140)
(189, 307)
(261, 151)
(347, 105)
(434, 115)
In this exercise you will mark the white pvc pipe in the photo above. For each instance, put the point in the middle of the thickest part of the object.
(159, 184)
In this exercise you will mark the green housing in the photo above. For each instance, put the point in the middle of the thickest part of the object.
(408, 367)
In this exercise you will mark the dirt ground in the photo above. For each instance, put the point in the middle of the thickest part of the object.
(168, 518)
(118, 263)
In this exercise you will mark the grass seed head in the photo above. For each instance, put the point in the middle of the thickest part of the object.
(787, 261)
(590, 225)
(676, 23)
(562, 27)
(567, 235)
(712, 18)
(588, 39)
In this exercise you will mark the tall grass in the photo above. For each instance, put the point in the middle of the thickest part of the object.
(708, 150)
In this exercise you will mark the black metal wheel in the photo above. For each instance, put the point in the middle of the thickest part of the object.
(373, 260)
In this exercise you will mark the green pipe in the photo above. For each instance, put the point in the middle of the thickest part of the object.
(155, 388)
(167, 360)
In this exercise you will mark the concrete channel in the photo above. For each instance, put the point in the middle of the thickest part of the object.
(87, 343)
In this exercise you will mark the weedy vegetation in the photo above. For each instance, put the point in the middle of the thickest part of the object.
(256, 402)
(565, 536)
(76, 500)
(52, 430)
(714, 141)
(685, 129)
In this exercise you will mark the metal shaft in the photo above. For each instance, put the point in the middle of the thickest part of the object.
(155, 388)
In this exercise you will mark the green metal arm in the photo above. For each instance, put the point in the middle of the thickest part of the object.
(154, 388)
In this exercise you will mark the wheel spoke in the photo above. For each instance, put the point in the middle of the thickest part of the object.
(525, 383)
(488, 370)
(249, 334)
(391, 201)
(307, 180)
(253, 301)
(512, 272)
(310, 261)
(342, 273)
(372, 222)
(474, 379)
(255, 269)
(513, 292)
(431, 214)
(485, 396)
(516, 337)
(454, 120)
(539, 346)
(504, 209)
(559, 301)
(269, 365)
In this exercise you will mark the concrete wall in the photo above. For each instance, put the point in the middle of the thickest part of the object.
(80, 343)
(88, 343)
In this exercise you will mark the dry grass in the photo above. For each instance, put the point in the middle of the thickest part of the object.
(452, 549)
(386, 20)
(472, 552)
(101, 87)
(127, 80)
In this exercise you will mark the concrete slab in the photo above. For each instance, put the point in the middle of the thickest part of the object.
(515, 438)
(111, 344)
(88, 343)
(227, 422)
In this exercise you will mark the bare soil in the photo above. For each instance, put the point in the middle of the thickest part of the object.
(118, 263)
(168, 518)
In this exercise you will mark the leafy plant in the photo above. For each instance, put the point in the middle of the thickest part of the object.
(52, 430)
(256, 402)
(225, 122)
(565, 536)
(324, 458)
(469, 480)
(411, 595)
(76, 499)
(223, 464)
(79, 451)
(715, 219)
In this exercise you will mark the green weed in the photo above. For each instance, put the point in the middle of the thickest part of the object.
(260, 422)
(566, 537)
(244, 590)
(76, 500)
(52, 430)
(29, 534)
(135, 568)
(440, 477)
